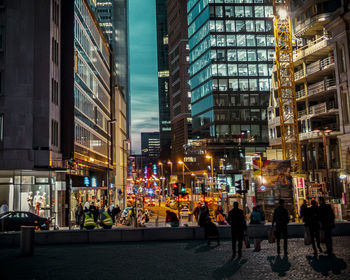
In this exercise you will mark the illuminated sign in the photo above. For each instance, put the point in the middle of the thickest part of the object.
(93, 182)
(86, 181)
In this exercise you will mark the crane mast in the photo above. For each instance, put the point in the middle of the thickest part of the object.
(286, 86)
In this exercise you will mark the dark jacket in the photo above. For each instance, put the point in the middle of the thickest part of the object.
(303, 210)
(312, 217)
(280, 217)
(236, 220)
(326, 216)
(203, 216)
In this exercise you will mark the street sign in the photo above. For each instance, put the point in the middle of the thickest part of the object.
(262, 188)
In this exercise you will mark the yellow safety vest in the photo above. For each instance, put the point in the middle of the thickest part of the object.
(89, 220)
(108, 220)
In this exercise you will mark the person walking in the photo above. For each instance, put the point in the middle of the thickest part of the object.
(281, 219)
(196, 212)
(255, 217)
(116, 214)
(80, 214)
(312, 222)
(303, 210)
(327, 223)
(238, 226)
(262, 213)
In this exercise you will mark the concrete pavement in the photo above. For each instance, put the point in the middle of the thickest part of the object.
(174, 260)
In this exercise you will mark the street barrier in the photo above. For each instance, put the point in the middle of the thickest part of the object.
(150, 234)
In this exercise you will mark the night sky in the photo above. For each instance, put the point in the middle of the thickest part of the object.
(143, 69)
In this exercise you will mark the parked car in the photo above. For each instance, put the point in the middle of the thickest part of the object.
(184, 212)
(13, 220)
(151, 202)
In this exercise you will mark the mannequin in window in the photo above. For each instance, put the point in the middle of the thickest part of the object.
(30, 202)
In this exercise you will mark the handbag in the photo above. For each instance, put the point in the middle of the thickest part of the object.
(271, 235)
(307, 236)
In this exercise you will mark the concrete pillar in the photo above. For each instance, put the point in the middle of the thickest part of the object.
(27, 240)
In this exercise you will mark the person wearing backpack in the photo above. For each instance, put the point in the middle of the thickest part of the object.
(312, 221)
(281, 219)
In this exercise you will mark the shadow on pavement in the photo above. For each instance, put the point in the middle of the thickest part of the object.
(325, 264)
(229, 268)
(193, 244)
(279, 265)
(205, 248)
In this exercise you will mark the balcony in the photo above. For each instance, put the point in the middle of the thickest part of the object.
(321, 86)
(311, 48)
(302, 113)
(299, 74)
(322, 108)
(312, 25)
(300, 93)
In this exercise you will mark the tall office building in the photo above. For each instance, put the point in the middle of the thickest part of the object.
(231, 48)
(150, 145)
(86, 104)
(30, 107)
(112, 17)
(163, 79)
(179, 89)
(321, 61)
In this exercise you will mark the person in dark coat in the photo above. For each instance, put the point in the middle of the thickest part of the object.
(303, 210)
(94, 211)
(327, 223)
(80, 214)
(238, 226)
(281, 219)
(203, 215)
(116, 212)
(312, 221)
(196, 212)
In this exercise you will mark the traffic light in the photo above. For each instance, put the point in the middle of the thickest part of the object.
(182, 186)
(246, 184)
(238, 186)
(176, 189)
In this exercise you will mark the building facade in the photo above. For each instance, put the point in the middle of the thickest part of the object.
(30, 107)
(150, 145)
(163, 78)
(320, 64)
(179, 89)
(231, 52)
(87, 95)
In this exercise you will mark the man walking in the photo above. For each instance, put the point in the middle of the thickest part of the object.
(281, 219)
(238, 226)
(327, 223)
(312, 221)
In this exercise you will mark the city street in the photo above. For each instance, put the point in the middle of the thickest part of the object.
(175, 260)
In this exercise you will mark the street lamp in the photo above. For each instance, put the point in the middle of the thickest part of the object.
(183, 170)
(109, 122)
(211, 169)
(161, 181)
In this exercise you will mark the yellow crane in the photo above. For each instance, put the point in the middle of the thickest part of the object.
(286, 86)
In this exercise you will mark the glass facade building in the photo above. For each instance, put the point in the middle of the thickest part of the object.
(231, 56)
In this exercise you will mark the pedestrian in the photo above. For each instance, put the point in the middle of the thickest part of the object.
(327, 223)
(94, 211)
(303, 210)
(80, 214)
(281, 219)
(255, 217)
(105, 219)
(312, 223)
(88, 220)
(219, 216)
(171, 219)
(116, 213)
(262, 213)
(238, 226)
(196, 211)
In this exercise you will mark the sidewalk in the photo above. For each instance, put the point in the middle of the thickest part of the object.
(175, 260)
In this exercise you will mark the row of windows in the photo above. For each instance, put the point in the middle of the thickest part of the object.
(241, 99)
(91, 25)
(240, 55)
(259, 133)
(199, 35)
(242, 84)
(54, 50)
(54, 133)
(54, 91)
(85, 42)
(242, 70)
(55, 12)
(240, 1)
(89, 140)
(198, 22)
(241, 11)
(240, 25)
(196, 10)
(241, 115)
(84, 104)
(88, 77)
(235, 41)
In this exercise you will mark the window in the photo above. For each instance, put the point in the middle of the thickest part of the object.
(259, 11)
(54, 133)
(243, 84)
(242, 70)
(230, 26)
(260, 26)
(251, 55)
(260, 41)
(252, 70)
(231, 40)
(253, 84)
(242, 55)
(248, 11)
(221, 42)
(239, 11)
(240, 26)
(219, 26)
(212, 26)
(262, 70)
(1, 127)
(262, 55)
(222, 70)
(229, 11)
(254, 99)
(250, 27)
(233, 84)
(232, 69)
(255, 114)
(264, 85)
(250, 41)
(231, 55)
(221, 55)
(234, 100)
(219, 12)
(241, 41)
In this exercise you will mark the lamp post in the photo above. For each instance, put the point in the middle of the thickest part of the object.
(109, 122)
(261, 178)
(161, 181)
(183, 170)
(212, 171)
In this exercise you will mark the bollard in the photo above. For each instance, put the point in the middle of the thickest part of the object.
(27, 240)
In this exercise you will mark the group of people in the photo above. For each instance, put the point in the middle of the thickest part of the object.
(317, 219)
(90, 216)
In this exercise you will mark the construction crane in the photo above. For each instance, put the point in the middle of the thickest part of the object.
(286, 86)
